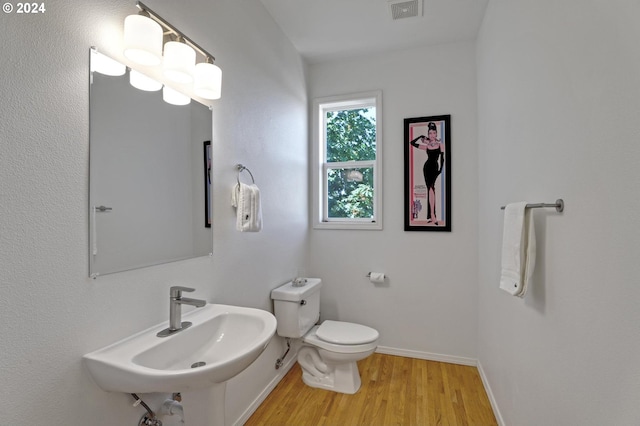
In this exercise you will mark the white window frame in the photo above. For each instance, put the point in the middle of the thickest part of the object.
(320, 166)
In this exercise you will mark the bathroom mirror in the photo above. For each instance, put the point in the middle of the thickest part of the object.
(149, 200)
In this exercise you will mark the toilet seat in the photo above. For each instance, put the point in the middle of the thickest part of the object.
(313, 339)
(346, 333)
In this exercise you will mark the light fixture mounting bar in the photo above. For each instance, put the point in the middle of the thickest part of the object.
(160, 20)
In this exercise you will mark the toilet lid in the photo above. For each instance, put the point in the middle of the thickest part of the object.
(346, 333)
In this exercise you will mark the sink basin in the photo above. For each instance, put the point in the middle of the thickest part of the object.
(222, 342)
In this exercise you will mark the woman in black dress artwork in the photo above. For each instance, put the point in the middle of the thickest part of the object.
(432, 167)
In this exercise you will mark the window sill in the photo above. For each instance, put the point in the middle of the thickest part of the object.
(362, 226)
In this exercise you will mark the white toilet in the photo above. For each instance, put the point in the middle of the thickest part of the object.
(331, 350)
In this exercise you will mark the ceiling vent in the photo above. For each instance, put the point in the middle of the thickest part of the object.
(405, 8)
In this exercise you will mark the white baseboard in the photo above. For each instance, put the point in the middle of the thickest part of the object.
(492, 399)
(427, 355)
(282, 371)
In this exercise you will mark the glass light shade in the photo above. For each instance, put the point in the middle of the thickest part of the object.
(105, 65)
(207, 81)
(142, 82)
(142, 40)
(179, 62)
(174, 97)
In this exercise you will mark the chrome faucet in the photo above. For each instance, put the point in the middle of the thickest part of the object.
(175, 310)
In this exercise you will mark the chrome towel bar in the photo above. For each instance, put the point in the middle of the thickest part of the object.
(559, 205)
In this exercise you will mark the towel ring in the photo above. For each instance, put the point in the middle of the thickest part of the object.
(242, 168)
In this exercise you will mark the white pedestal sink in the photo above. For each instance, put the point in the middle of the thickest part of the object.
(222, 342)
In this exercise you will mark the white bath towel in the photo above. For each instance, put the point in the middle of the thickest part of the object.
(518, 249)
(246, 200)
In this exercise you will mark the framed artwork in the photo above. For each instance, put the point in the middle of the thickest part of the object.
(207, 184)
(427, 173)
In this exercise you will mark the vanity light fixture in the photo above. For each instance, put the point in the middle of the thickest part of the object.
(179, 61)
(180, 53)
(105, 65)
(174, 97)
(142, 82)
(142, 40)
(208, 80)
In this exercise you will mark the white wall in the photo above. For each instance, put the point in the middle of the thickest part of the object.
(558, 112)
(428, 304)
(52, 313)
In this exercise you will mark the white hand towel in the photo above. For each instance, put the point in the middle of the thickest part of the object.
(246, 200)
(255, 224)
(518, 249)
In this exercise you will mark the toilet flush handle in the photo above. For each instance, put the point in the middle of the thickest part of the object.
(303, 302)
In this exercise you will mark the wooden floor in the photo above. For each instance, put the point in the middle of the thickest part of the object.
(395, 391)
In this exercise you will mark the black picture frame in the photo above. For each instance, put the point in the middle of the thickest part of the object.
(207, 183)
(427, 174)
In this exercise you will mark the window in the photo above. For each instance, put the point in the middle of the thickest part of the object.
(347, 171)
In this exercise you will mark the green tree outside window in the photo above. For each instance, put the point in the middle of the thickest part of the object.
(351, 136)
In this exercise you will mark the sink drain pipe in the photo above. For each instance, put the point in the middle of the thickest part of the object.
(148, 419)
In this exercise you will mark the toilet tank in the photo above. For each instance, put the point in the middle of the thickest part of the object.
(297, 309)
